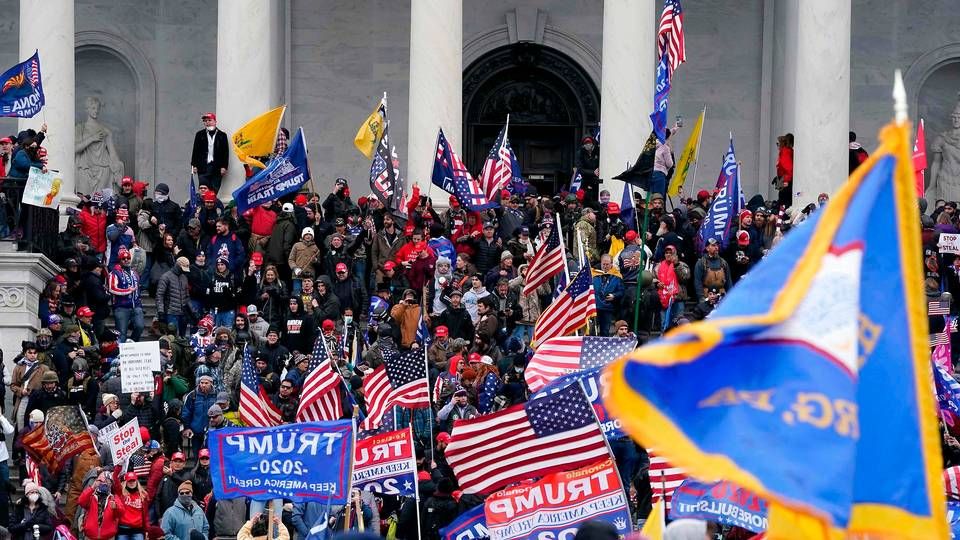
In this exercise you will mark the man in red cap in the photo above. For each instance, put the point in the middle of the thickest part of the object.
(440, 351)
(6, 155)
(210, 155)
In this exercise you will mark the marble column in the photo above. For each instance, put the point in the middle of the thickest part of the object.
(48, 26)
(821, 110)
(626, 87)
(23, 277)
(250, 39)
(436, 85)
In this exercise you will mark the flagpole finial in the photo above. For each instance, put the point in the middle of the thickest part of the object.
(899, 98)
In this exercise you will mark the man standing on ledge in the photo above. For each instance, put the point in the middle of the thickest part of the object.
(210, 153)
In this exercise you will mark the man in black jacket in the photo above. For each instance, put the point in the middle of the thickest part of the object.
(210, 153)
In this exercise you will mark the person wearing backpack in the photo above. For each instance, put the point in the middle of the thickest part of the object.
(711, 271)
(439, 510)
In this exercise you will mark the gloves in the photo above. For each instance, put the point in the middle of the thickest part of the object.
(296, 271)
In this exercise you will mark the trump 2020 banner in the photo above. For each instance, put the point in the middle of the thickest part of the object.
(21, 93)
(305, 462)
(385, 464)
(284, 174)
(557, 504)
(470, 525)
(722, 502)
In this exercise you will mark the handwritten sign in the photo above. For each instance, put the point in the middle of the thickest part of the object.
(42, 188)
(138, 361)
(125, 441)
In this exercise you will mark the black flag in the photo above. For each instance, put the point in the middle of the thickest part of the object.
(641, 172)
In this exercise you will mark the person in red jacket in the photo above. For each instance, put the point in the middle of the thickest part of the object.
(102, 518)
(133, 508)
(262, 219)
(785, 169)
(157, 465)
(93, 223)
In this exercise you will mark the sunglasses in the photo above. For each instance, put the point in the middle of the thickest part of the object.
(285, 387)
(186, 493)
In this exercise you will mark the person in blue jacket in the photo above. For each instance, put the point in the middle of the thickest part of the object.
(608, 286)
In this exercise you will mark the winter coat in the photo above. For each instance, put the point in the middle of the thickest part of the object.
(195, 406)
(383, 248)
(177, 521)
(529, 304)
(303, 255)
(22, 528)
(329, 307)
(348, 294)
(229, 516)
(488, 255)
(407, 317)
(173, 292)
(95, 525)
(230, 246)
(605, 283)
(124, 285)
(282, 238)
(458, 322)
(222, 292)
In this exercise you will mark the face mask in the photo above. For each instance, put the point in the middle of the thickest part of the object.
(588, 147)
(159, 197)
(103, 489)
(347, 319)
(33, 497)
(211, 128)
(79, 374)
(185, 500)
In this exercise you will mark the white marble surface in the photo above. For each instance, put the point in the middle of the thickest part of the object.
(22, 279)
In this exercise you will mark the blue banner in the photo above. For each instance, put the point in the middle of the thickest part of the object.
(21, 89)
(722, 217)
(471, 525)
(661, 96)
(722, 502)
(305, 462)
(953, 517)
(284, 174)
(593, 384)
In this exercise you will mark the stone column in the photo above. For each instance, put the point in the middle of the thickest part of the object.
(23, 277)
(436, 84)
(250, 37)
(49, 27)
(821, 108)
(626, 88)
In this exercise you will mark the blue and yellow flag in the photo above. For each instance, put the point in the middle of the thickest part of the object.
(810, 384)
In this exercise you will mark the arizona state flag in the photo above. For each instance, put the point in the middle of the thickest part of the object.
(258, 137)
(689, 156)
(811, 384)
(370, 131)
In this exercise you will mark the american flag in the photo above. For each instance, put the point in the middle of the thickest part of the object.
(140, 464)
(35, 71)
(558, 432)
(570, 310)
(255, 408)
(383, 175)
(943, 338)
(559, 356)
(670, 34)
(320, 398)
(951, 479)
(497, 169)
(664, 478)
(547, 262)
(401, 380)
(452, 176)
(938, 307)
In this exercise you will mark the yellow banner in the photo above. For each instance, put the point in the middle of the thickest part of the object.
(370, 131)
(687, 158)
(258, 137)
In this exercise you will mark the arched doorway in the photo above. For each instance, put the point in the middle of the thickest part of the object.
(551, 102)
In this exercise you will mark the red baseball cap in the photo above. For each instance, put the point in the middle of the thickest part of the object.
(328, 324)
(130, 476)
(204, 453)
(389, 265)
(209, 115)
(443, 437)
(504, 194)
(408, 230)
(454, 203)
(423, 476)
(613, 209)
(703, 195)
(474, 357)
(209, 195)
(442, 331)
(630, 236)
(84, 311)
(257, 258)
(126, 181)
(6, 140)
(178, 456)
(341, 267)
(300, 200)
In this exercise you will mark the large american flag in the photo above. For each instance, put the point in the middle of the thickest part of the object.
(255, 408)
(320, 398)
(497, 169)
(670, 34)
(400, 380)
(664, 479)
(570, 310)
(547, 262)
(558, 432)
(452, 176)
(559, 356)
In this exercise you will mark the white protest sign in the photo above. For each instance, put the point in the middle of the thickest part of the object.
(949, 243)
(138, 361)
(105, 434)
(125, 441)
(42, 188)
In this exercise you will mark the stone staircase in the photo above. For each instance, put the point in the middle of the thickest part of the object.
(149, 316)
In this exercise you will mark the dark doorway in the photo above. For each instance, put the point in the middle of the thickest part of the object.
(551, 103)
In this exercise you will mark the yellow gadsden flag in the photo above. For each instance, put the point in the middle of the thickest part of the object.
(258, 137)
(687, 158)
(370, 131)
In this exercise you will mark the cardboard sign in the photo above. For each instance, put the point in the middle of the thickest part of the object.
(42, 188)
(125, 441)
(949, 243)
(138, 361)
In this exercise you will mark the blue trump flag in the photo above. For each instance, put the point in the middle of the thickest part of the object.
(728, 203)
(304, 462)
(470, 525)
(284, 174)
(21, 89)
(661, 96)
(810, 384)
(722, 502)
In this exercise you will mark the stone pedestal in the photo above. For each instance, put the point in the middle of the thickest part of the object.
(23, 277)
(436, 84)
(48, 26)
(626, 90)
(821, 109)
(250, 69)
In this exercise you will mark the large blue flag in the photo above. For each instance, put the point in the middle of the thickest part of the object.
(661, 96)
(21, 93)
(810, 384)
(285, 174)
(468, 525)
(722, 217)
(451, 175)
(627, 212)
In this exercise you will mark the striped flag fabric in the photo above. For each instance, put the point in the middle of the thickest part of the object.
(664, 478)
(400, 380)
(938, 307)
(670, 34)
(570, 310)
(560, 356)
(555, 433)
(451, 175)
(951, 479)
(320, 399)
(255, 407)
(497, 169)
(547, 262)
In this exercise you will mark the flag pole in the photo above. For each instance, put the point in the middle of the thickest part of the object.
(563, 249)
(696, 156)
(353, 459)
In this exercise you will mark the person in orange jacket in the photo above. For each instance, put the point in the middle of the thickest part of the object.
(103, 509)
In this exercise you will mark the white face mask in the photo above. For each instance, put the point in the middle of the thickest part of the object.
(159, 197)
(33, 497)
(348, 319)
(211, 128)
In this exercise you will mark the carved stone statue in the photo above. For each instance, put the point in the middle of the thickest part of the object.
(945, 166)
(98, 164)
